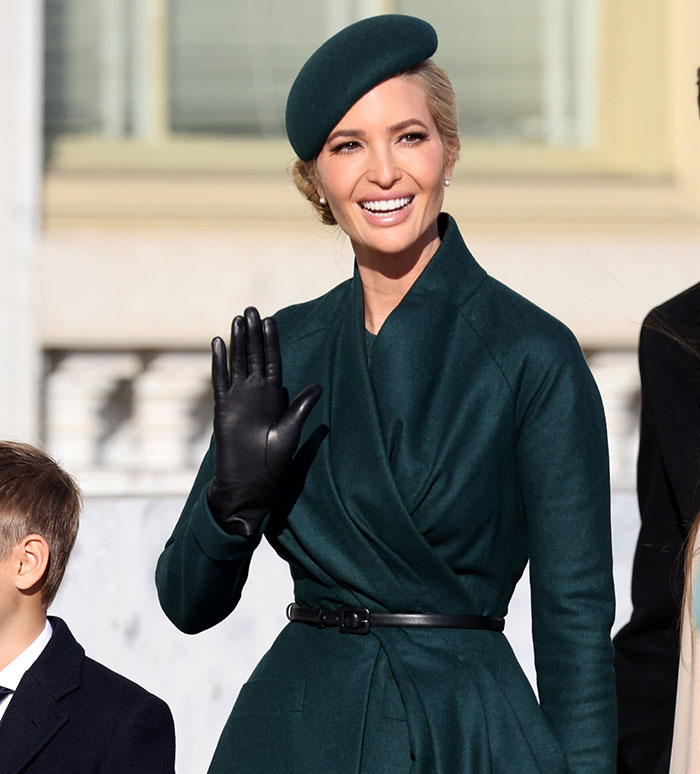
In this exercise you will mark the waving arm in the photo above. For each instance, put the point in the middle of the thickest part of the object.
(204, 565)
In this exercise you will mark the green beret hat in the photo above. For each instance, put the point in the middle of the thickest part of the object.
(345, 67)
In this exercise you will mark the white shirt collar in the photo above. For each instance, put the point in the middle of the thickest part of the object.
(14, 671)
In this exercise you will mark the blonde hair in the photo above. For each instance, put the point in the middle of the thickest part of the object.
(38, 497)
(442, 104)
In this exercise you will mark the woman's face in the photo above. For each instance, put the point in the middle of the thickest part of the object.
(382, 169)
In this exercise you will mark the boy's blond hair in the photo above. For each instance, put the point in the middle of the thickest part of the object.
(38, 497)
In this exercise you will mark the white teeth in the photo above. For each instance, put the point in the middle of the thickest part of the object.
(387, 205)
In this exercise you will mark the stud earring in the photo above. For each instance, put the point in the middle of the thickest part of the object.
(447, 181)
(321, 200)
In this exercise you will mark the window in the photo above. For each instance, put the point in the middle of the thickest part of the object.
(519, 70)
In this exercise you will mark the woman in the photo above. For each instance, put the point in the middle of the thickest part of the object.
(459, 433)
(647, 649)
(669, 499)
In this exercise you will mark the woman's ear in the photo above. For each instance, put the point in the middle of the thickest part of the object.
(319, 190)
(32, 560)
(449, 169)
(313, 176)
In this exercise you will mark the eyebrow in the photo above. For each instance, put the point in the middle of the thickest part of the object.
(362, 134)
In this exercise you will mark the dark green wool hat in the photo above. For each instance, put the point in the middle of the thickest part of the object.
(345, 67)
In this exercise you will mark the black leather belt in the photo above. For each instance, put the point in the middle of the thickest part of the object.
(359, 620)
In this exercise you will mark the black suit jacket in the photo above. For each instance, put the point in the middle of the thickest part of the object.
(71, 715)
(668, 486)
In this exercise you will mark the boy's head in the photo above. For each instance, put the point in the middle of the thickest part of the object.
(37, 497)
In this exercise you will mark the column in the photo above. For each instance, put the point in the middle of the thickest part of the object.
(618, 381)
(76, 394)
(150, 69)
(20, 163)
(165, 398)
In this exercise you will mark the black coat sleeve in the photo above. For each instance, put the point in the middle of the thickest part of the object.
(668, 485)
(144, 741)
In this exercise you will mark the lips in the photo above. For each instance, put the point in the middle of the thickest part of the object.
(386, 206)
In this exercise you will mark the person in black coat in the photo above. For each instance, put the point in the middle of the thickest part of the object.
(668, 484)
(59, 710)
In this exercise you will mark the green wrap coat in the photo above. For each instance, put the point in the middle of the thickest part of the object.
(472, 441)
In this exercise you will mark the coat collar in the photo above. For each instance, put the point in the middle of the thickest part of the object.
(452, 273)
(451, 276)
(446, 284)
(62, 650)
(34, 717)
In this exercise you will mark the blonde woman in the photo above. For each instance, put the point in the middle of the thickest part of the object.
(458, 435)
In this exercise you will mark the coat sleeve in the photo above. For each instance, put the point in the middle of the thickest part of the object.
(564, 475)
(202, 569)
(144, 740)
(668, 473)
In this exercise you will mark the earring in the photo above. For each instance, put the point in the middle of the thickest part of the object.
(447, 181)
(321, 200)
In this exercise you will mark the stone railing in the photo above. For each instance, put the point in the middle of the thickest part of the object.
(140, 422)
(128, 422)
(617, 376)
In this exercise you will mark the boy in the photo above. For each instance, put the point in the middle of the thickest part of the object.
(59, 710)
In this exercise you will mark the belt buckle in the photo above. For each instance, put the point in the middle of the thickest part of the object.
(353, 620)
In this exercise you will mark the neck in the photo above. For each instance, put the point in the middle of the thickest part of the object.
(18, 634)
(387, 277)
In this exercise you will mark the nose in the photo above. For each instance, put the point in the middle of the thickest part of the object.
(384, 170)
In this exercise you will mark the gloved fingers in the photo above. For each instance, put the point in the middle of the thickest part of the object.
(283, 436)
(239, 360)
(254, 341)
(273, 358)
(219, 370)
(303, 403)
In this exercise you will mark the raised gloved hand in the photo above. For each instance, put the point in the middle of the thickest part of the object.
(256, 430)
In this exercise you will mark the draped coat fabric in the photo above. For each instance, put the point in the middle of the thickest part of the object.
(472, 441)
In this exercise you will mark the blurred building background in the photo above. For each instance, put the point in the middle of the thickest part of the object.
(145, 199)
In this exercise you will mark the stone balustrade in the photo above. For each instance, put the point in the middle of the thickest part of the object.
(140, 422)
(617, 376)
(128, 422)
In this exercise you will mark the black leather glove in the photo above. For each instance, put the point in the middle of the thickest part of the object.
(256, 430)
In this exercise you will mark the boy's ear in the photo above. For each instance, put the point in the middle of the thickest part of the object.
(32, 562)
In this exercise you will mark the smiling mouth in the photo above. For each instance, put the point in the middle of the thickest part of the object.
(386, 206)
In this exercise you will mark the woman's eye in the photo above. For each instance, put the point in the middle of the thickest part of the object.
(411, 138)
(345, 147)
